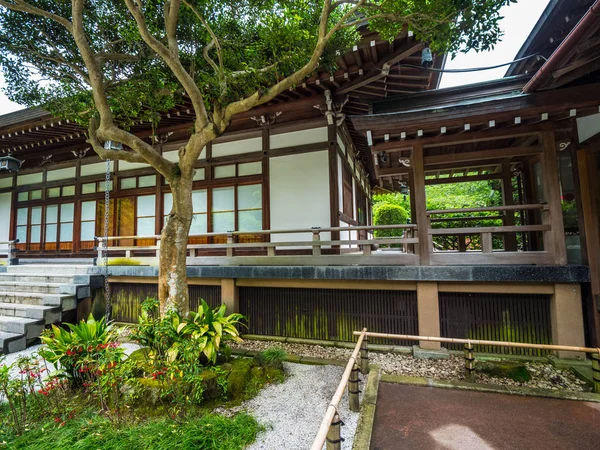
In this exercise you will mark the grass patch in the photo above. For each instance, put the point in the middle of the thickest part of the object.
(92, 432)
(124, 262)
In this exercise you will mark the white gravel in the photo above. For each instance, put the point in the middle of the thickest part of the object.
(292, 411)
(543, 375)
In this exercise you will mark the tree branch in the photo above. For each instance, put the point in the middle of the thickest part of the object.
(22, 6)
(106, 153)
(171, 12)
(173, 62)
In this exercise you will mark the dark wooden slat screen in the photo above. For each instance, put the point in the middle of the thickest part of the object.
(331, 314)
(496, 317)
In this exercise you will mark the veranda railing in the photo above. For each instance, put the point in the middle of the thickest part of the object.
(303, 246)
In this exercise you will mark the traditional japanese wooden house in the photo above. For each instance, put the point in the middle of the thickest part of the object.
(282, 204)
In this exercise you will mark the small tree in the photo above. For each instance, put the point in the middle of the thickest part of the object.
(108, 64)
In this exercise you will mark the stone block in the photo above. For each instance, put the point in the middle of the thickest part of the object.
(422, 353)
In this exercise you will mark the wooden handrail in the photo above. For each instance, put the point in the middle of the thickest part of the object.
(495, 230)
(409, 337)
(267, 232)
(539, 206)
(335, 400)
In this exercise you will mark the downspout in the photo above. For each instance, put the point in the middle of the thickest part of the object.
(565, 47)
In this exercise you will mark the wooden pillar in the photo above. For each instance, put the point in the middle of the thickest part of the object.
(334, 202)
(552, 193)
(420, 202)
(428, 310)
(566, 316)
(266, 187)
(591, 230)
(230, 295)
(510, 239)
(411, 190)
(528, 192)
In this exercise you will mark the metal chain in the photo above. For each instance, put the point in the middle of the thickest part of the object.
(107, 186)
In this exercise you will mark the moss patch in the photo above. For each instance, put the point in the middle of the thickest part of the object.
(505, 369)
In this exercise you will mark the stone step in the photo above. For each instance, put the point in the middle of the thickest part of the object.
(49, 314)
(43, 278)
(38, 288)
(12, 342)
(49, 269)
(30, 328)
(66, 301)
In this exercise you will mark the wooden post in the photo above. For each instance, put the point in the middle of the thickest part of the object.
(596, 371)
(230, 241)
(334, 436)
(589, 201)
(486, 243)
(510, 239)
(469, 363)
(552, 191)
(420, 201)
(462, 243)
(316, 250)
(12, 257)
(353, 389)
(364, 356)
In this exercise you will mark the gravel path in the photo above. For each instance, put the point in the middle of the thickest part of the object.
(544, 375)
(292, 411)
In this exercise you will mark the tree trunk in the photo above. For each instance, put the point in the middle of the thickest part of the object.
(172, 273)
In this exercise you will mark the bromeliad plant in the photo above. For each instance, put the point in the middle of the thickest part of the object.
(79, 350)
(197, 338)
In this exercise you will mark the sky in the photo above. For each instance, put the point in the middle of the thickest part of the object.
(519, 20)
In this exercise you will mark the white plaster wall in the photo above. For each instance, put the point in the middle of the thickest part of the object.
(30, 178)
(588, 126)
(237, 147)
(124, 165)
(303, 137)
(5, 210)
(348, 235)
(96, 168)
(6, 182)
(341, 143)
(299, 195)
(61, 174)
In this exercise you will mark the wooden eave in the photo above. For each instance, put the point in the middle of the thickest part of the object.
(372, 70)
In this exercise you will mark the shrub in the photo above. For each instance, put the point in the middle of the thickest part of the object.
(389, 214)
(198, 338)
(82, 349)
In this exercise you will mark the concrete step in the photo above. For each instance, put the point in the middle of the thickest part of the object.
(49, 269)
(38, 288)
(30, 328)
(49, 314)
(66, 301)
(12, 342)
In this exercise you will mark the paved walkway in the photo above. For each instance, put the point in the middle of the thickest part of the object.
(412, 417)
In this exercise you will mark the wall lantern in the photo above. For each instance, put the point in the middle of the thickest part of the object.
(112, 145)
(426, 58)
(9, 164)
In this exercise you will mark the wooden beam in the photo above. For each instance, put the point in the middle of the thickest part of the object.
(420, 200)
(457, 139)
(552, 193)
(465, 179)
(381, 69)
(481, 155)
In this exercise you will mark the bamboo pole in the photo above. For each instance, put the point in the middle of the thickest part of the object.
(335, 400)
(408, 337)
